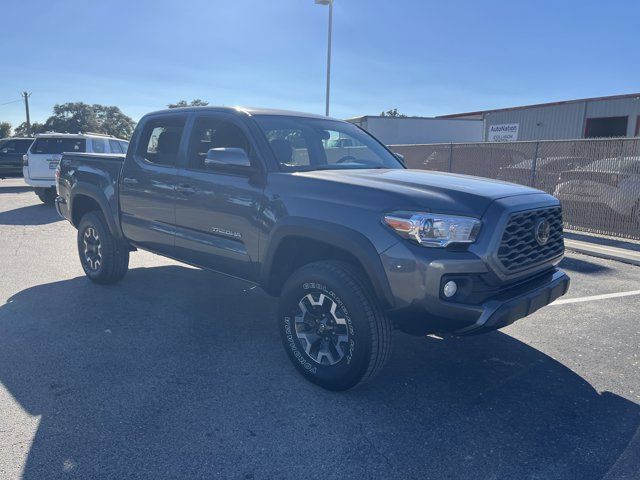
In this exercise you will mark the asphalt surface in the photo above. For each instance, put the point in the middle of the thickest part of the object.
(180, 373)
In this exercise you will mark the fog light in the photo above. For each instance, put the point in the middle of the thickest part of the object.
(450, 289)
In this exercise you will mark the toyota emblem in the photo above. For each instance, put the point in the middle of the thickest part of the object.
(542, 231)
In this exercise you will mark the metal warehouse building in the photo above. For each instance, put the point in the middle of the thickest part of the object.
(613, 116)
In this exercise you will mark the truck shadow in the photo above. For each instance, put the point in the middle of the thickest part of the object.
(177, 372)
(583, 265)
(38, 214)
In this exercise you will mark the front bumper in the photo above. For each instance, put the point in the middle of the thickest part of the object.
(506, 308)
(483, 303)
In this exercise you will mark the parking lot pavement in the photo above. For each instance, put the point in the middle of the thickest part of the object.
(179, 373)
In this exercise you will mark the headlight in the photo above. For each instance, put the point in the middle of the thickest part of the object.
(432, 229)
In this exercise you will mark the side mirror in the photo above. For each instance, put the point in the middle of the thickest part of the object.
(400, 157)
(227, 157)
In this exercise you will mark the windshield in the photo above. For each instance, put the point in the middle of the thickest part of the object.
(52, 145)
(302, 144)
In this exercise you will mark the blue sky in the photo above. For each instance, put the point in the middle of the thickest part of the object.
(423, 57)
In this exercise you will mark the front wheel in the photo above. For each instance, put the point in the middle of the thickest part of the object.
(104, 258)
(332, 325)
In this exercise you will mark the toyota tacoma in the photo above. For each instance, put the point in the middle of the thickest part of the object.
(322, 215)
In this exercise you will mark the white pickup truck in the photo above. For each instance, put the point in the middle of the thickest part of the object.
(42, 158)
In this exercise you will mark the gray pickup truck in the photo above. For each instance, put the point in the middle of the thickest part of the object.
(319, 213)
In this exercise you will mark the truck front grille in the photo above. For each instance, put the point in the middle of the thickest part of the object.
(520, 249)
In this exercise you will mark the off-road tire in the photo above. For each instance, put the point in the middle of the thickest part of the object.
(109, 261)
(369, 330)
(46, 195)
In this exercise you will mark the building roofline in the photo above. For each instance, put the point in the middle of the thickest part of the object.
(548, 104)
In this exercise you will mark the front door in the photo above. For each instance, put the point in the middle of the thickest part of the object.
(216, 207)
(148, 182)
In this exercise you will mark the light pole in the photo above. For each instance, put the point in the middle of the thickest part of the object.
(330, 3)
(26, 96)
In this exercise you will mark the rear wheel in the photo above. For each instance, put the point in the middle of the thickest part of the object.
(46, 195)
(332, 325)
(104, 258)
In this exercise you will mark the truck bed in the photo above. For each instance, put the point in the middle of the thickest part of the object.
(83, 171)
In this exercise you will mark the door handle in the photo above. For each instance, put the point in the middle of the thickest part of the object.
(129, 181)
(185, 189)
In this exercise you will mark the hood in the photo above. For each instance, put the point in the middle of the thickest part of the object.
(427, 190)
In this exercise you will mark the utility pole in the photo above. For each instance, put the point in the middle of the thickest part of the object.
(26, 96)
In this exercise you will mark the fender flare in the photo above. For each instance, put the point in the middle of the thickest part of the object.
(337, 236)
(98, 195)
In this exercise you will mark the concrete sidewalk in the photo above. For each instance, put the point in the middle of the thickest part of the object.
(627, 251)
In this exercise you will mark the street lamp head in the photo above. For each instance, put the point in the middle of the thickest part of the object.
(324, 2)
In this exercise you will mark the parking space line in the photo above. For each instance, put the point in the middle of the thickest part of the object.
(595, 297)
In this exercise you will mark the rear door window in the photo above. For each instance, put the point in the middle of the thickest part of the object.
(97, 145)
(114, 146)
(160, 140)
(51, 145)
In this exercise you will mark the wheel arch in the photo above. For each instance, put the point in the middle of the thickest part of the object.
(296, 242)
(87, 198)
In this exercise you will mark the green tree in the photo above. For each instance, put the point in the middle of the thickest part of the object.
(21, 130)
(194, 103)
(113, 122)
(393, 113)
(5, 129)
(74, 117)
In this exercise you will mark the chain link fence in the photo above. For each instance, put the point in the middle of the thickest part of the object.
(597, 180)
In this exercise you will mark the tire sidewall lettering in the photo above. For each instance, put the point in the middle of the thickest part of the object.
(294, 348)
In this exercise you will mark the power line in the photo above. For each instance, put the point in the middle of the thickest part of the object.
(12, 101)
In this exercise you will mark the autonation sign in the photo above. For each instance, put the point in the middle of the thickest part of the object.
(506, 132)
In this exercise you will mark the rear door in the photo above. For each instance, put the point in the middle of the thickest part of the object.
(148, 182)
(217, 208)
(45, 153)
